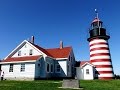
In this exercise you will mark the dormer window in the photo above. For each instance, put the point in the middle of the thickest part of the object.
(31, 52)
(19, 53)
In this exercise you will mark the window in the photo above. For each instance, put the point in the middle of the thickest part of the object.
(47, 67)
(51, 67)
(31, 52)
(69, 58)
(87, 71)
(95, 25)
(38, 65)
(19, 53)
(22, 69)
(11, 68)
(57, 68)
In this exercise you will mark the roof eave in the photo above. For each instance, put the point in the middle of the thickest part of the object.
(18, 62)
(87, 63)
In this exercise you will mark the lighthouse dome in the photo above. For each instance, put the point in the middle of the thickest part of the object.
(96, 20)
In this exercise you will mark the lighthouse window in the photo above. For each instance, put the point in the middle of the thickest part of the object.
(95, 25)
(87, 71)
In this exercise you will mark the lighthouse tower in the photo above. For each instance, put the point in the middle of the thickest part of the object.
(99, 50)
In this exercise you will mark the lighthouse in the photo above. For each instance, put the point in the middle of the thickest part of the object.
(100, 55)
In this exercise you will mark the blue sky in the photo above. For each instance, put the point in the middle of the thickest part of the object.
(53, 20)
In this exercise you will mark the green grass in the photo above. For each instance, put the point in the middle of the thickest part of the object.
(53, 85)
(100, 85)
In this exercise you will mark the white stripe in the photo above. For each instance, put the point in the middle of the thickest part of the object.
(104, 69)
(100, 57)
(101, 63)
(97, 46)
(99, 51)
(98, 41)
(106, 75)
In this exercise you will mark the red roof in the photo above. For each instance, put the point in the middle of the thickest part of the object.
(83, 62)
(26, 58)
(96, 20)
(59, 53)
(42, 49)
(56, 52)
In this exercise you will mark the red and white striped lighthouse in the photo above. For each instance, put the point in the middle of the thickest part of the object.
(99, 50)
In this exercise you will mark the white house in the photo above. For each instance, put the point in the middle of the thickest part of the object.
(29, 61)
(85, 70)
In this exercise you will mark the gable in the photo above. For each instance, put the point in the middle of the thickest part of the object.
(24, 49)
(86, 65)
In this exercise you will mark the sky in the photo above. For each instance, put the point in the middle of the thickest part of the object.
(51, 21)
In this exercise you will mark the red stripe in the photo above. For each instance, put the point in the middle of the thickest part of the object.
(101, 60)
(106, 78)
(100, 48)
(103, 66)
(100, 43)
(100, 54)
(105, 72)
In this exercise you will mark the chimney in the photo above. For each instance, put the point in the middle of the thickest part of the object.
(61, 44)
(32, 39)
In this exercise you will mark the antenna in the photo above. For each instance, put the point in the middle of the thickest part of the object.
(96, 13)
(98, 21)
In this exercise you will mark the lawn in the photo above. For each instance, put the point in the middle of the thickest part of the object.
(53, 85)
(101, 85)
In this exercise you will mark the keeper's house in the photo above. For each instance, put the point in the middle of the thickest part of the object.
(29, 61)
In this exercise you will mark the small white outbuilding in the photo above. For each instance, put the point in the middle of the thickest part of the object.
(85, 71)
